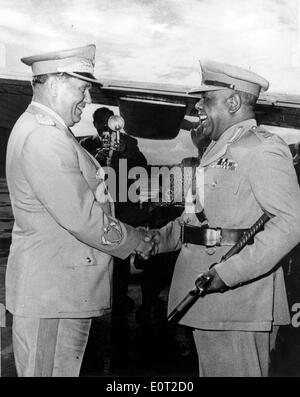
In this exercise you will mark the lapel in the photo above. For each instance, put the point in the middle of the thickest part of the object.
(49, 119)
(218, 148)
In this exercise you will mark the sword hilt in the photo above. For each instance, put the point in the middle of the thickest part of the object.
(201, 284)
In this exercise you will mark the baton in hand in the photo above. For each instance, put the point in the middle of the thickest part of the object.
(202, 283)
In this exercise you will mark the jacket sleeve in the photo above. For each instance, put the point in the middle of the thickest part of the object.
(51, 167)
(274, 185)
(170, 236)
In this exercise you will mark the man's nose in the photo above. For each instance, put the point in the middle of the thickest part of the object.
(199, 105)
(87, 96)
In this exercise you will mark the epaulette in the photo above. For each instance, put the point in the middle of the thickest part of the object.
(251, 139)
(44, 119)
(264, 135)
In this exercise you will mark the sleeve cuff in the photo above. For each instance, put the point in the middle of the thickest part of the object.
(228, 272)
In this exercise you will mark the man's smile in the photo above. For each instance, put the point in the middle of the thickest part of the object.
(203, 118)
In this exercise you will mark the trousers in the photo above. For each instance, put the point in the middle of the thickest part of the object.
(46, 347)
(232, 353)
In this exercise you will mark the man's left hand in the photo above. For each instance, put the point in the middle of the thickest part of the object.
(217, 284)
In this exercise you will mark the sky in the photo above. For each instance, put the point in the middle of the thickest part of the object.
(158, 40)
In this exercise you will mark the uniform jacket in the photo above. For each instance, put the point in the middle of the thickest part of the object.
(65, 233)
(126, 211)
(247, 172)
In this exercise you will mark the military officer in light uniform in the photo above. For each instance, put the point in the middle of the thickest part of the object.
(245, 172)
(65, 235)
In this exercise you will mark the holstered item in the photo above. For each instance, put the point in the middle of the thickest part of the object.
(210, 237)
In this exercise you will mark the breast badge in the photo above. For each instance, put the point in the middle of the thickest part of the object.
(225, 164)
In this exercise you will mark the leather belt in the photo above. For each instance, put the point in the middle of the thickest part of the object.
(210, 237)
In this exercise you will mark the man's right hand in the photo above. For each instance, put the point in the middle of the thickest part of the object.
(148, 244)
(143, 250)
(155, 238)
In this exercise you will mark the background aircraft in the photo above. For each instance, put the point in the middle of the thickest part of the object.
(155, 112)
(151, 110)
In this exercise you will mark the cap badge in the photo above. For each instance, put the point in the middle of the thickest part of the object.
(82, 66)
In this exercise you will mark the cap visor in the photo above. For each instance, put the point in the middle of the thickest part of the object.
(86, 77)
(204, 88)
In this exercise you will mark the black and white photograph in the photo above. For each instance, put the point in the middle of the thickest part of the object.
(149, 191)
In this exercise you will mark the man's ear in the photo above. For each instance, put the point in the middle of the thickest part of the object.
(234, 103)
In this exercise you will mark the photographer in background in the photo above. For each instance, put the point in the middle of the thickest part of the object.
(96, 145)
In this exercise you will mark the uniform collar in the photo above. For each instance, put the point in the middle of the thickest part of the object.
(217, 148)
(50, 112)
(57, 120)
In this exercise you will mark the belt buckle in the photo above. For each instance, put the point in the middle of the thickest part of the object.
(213, 237)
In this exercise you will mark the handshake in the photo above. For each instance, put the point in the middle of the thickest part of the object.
(149, 244)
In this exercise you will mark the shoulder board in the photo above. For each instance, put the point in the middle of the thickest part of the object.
(266, 136)
(44, 119)
(247, 139)
(251, 140)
